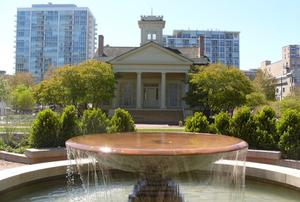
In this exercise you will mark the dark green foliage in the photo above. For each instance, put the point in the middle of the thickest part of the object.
(243, 126)
(44, 129)
(265, 133)
(222, 123)
(68, 125)
(289, 128)
(121, 122)
(217, 87)
(212, 129)
(198, 123)
(94, 121)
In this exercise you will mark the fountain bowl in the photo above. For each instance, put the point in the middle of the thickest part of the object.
(163, 153)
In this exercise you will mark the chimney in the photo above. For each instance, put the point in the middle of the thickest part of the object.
(100, 45)
(201, 46)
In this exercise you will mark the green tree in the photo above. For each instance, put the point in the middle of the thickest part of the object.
(88, 82)
(94, 121)
(264, 82)
(4, 90)
(216, 87)
(121, 122)
(256, 99)
(295, 93)
(22, 99)
(50, 92)
(25, 78)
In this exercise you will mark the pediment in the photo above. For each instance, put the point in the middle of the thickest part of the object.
(151, 53)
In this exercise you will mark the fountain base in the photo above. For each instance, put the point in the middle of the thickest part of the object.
(156, 190)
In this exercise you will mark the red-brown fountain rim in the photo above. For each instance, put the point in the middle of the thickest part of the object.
(157, 143)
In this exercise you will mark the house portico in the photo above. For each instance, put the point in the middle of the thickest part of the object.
(151, 86)
(151, 78)
(147, 90)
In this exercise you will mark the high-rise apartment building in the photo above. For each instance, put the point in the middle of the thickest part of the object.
(286, 71)
(53, 35)
(219, 46)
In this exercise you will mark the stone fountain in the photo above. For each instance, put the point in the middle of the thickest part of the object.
(157, 156)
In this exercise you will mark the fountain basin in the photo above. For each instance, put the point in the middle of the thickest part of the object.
(159, 152)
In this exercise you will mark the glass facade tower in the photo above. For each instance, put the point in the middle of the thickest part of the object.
(219, 46)
(53, 35)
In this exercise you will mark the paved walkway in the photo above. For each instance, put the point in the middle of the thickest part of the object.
(157, 126)
(8, 164)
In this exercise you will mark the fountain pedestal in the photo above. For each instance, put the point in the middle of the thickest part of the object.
(155, 190)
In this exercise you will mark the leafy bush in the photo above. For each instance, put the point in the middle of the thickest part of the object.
(94, 121)
(289, 103)
(265, 134)
(44, 129)
(2, 144)
(222, 123)
(68, 126)
(256, 99)
(289, 129)
(243, 126)
(198, 123)
(121, 122)
(21, 150)
(8, 148)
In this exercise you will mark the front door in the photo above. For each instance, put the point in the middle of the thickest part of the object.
(151, 95)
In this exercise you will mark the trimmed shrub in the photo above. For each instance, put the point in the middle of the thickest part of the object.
(289, 129)
(198, 123)
(265, 134)
(121, 122)
(243, 126)
(94, 121)
(68, 126)
(44, 129)
(222, 123)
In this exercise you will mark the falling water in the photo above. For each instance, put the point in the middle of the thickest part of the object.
(224, 175)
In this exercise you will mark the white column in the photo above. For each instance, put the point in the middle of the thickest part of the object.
(114, 99)
(186, 88)
(163, 91)
(138, 90)
(114, 103)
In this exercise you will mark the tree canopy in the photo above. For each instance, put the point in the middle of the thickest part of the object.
(21, 99)
(25, 78)
(264, 82)
(216, 87)
(4, 91)
(88, 82)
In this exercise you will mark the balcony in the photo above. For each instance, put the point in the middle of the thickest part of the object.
(286, 66)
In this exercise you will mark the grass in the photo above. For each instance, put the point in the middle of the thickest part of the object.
(14, 124)
(19, 130)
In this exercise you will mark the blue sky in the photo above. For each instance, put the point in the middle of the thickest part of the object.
(265, 25)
